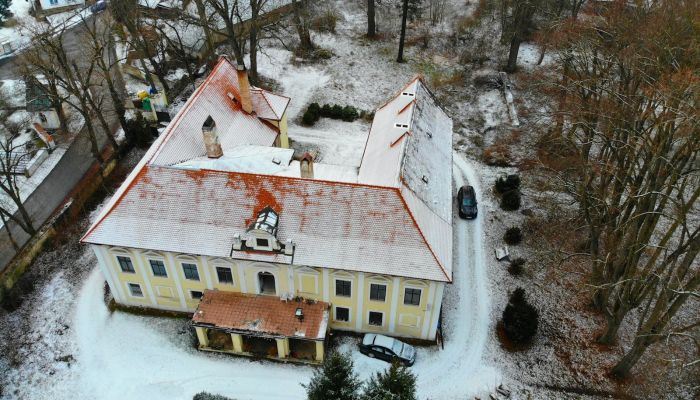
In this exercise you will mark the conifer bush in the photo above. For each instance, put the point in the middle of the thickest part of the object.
(335, 379)
(520, 318)
(510, 200)
(513, 236)
(516, 266)
(507, 184)
(395, 383)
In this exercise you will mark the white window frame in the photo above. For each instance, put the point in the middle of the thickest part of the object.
(335, 286)
(335, 314)
(131, 293)
(378, 312)
(131, 260)
(369, 292)
(216, 272)
(196, 267)
(420, 299)
(150, 267)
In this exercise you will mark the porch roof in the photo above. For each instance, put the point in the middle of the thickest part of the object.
(261, 315)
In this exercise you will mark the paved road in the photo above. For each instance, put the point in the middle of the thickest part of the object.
(72, 166)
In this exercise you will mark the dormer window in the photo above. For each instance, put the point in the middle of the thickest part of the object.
(262, 242)
(266, 221)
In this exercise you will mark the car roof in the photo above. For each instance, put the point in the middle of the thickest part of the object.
(384, 341)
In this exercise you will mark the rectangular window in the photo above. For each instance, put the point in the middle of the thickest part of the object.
(196, 294)
(376, 318)
(126, 264)
(158, 268)
(342, 314)
(224, 275)
(190, 271)
(411, 297)
(262, 243)
(135, 290)
(343, 288)
(377, 292)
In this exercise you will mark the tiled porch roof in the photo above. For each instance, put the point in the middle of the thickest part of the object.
(261, 315)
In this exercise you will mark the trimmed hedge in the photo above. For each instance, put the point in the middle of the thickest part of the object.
(334, 111)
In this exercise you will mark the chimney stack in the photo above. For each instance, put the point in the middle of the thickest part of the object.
(307, 166)
(211, 139)
(244, 88)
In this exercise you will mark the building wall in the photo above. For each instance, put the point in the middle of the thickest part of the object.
(282, 125)
(174, 292)
(49, 4)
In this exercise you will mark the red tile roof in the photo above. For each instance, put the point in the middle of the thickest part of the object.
(264, 315)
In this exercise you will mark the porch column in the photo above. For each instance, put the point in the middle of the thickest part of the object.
(237, 341)
(202, 337)
(319, 350)
(282, 346)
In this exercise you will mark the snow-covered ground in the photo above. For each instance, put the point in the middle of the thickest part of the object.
(11, 33)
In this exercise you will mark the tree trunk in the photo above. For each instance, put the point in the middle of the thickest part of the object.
(403, 31)
(613, 322)
(623, 367)
(513, 54)
(542, 53)
(202, 14)
(305, 44)
(253, 37)
(9, 233)
(371, 26)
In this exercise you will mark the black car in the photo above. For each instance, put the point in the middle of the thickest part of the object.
(466, 200)
(98, 7)
(387, 349)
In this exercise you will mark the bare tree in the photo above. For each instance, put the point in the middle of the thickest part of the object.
(99, 46)
(628, 111)
(144, 40)
(302, 22)
(13, 156)
(48, 56)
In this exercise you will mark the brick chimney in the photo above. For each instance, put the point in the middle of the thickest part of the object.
(211, 139)
(244, 87)
(306, 164)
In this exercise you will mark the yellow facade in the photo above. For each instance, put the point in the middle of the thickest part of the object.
(282, 125)
(360, 302)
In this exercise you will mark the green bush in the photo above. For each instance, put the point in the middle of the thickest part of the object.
(333, 111)
(510, 200)
(516, 266)
(510, 182)
(350, 114)
(336, 112)
(138, 132)
(335, 379)
(513, 236)
(312, 114)
(520, 318)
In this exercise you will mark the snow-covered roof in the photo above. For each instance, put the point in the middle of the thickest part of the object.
(386, 221)
(218, 97)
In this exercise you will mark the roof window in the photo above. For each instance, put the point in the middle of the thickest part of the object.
(407, 94)
(425, 178)
(401, 126)
(267, 221)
